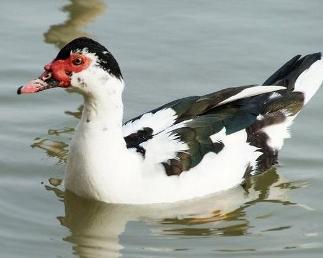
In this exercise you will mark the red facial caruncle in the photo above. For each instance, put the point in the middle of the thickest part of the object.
(62, 69)
(57, 73)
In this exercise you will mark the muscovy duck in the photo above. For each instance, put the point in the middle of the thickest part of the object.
(185, 149)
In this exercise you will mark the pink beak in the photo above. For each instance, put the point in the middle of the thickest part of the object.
(44, 82)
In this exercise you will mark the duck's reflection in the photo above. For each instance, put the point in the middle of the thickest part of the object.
(80, 13)
(96, 227)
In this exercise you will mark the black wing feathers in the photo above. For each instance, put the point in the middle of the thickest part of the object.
(206, 116)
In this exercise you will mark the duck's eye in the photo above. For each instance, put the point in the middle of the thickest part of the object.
(78, 61)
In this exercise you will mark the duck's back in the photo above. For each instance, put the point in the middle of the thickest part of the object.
(210, 143)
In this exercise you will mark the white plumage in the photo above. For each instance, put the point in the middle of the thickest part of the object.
(186, 149)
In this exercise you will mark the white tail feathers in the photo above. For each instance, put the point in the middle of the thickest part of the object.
(310, 80)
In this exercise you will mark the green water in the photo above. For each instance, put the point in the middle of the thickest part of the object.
(166, 49)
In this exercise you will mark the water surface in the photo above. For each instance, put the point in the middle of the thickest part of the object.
(166, 49)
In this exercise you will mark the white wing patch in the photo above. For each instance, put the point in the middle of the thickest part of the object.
(239, 148)
(158, 121)
(162, 147)
(252, 91)
(237, 142)
(217, 172)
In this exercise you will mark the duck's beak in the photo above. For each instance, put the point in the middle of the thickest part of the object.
(44, 82)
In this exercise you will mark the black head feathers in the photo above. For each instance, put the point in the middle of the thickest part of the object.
(105, 58)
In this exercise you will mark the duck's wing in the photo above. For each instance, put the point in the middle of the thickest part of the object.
(180, 134)
(301, 74)
(145, 126)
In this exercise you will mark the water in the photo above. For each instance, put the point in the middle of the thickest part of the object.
(166, 49)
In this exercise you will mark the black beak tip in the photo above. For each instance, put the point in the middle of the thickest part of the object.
(19, 90)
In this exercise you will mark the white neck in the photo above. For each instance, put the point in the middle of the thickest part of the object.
(102, 94)
(102, 115)
(99, 163)
(104, 108)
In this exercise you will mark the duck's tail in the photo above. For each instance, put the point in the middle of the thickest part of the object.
(300, 74)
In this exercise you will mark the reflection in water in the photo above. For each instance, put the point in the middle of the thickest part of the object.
(53, 144)
(76, 114)
(54, 148)
(80, 13)
(96, 227)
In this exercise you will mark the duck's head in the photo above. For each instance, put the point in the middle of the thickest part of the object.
(83, 65)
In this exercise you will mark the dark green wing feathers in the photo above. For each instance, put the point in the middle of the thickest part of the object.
(231, 118)
(201, 117)
(193, 120)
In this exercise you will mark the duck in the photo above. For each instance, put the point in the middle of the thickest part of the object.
(186, 149)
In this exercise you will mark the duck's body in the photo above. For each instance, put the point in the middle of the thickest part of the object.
(185, 149)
